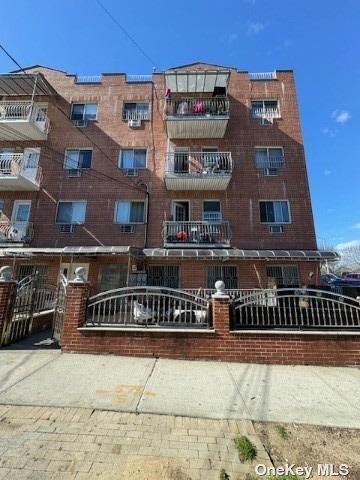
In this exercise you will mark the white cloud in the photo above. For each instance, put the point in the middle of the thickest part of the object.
(329, 132)
(327, 172)
(345, 245)
(341, 116)
(254, 28)
(356, 226)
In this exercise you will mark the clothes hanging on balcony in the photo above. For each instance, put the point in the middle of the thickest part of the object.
(183, 108)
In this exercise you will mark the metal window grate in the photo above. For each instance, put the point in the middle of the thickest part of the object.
(287, 275)
(163, 276)
(227, 274)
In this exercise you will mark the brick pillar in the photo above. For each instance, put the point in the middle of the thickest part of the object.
(221, 309)
(7, 295)
(77, 294)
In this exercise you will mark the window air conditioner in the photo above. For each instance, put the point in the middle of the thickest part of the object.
(276, 229)
(134, 123)
(132, 172)
(74, 172)
(127, 228)
(80, 123)
(67, 228)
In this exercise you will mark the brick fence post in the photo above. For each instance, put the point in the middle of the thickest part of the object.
(77, 294)
(221, 309)
(7, 296)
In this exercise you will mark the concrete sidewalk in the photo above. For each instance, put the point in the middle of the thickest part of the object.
(314, 395)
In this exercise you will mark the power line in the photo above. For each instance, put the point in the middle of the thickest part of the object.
(141, 50)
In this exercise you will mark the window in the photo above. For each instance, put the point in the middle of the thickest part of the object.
(284, 275)
(267, 110)
(212, 211)
(227, 274)
(275, 211)
(132, 158)
(112, 277)
(71, 212)
(84, 111)
(75, 159)
(163, 276)
(269, 159)
(129, 211)
(136, 111)
(2, 205)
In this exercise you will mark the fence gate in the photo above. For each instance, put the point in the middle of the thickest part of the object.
(23, 301)
(59, 308)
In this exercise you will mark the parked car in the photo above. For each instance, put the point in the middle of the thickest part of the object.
(335, 281)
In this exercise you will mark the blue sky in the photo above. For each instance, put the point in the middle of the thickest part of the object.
(319, 39)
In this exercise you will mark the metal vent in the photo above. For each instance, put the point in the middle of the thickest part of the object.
(132, 172)
(67, 228)
(127, 228)
(276, 229)
(74, 172)
(80, 123)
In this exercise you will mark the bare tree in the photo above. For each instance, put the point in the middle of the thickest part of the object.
(349, 258)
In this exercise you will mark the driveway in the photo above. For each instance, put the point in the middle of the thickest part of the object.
(302, 394)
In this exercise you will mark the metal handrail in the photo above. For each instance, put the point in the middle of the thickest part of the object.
(197, 107)
(267, 113)
(136, 115)
(13, 110)
(194, 163)
(197, 232)
(270, 162)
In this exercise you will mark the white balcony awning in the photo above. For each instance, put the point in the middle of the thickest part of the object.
(17, 84)
(234, 253)
(196, 81)
(63, 251)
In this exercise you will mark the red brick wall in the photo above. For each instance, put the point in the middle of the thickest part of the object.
(219, 345)
(110, 133)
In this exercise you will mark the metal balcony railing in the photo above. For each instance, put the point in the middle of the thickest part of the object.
(20, 164)
(197, 107)
(136, 114)
(16, 110)
(262, 76)
(270, 162)
(197, 233)
(16, 231)
(88, 79)
(198, 163)
(138, 78)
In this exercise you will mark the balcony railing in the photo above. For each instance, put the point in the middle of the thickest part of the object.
(198, 163)
(20, 166)
(196, 233)
(138, 78)
(15, 111)
(265, 113)
(136, 115)
(197, 107)
(270, 162)
(88, 79)
(262, 76)
(15, 231)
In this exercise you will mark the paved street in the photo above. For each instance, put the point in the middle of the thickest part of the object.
(45, 377)
(40, 443)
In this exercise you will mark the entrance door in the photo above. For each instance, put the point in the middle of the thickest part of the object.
(31, 160)
(181, 211)
(68, 269)
(20, 220)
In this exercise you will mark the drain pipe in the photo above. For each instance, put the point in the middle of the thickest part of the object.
(147, 206)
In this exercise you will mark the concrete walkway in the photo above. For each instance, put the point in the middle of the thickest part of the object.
(314, 395)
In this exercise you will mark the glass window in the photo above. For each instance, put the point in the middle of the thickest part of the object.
(132, 158)
(2, 205)
(163, 276)
(212, 211)
(136, 111)
(284, 276)
(84, 111)
(129, 212)
(71, 212)
(227, 274)
(274, 212)
(75, 159)
(112, 277)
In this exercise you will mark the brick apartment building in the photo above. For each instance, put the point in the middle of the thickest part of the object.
(175, 179)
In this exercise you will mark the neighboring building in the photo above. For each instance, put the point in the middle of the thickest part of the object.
(175, 179)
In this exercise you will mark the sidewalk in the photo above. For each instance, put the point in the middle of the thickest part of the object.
(314, 395)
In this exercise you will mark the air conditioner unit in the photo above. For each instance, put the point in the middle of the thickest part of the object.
(67, 228)
(132, 172)
(276, 229)
(74, 172)
(80, 123)
(134, 123)
(127, 228)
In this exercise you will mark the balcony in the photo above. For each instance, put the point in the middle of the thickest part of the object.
(20, 171)
(197, 233)
(23, 120)
(197, 117)
(198, 170)
(15, 232)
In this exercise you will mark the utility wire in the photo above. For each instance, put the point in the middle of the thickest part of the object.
(141, 50)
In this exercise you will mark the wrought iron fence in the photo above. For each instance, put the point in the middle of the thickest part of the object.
(296, 308)
(197, 232)
(148, 307)
(193, 163)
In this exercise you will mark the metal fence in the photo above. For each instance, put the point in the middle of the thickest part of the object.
(148, 307)
(296, 308)
(197, 232)
(194, 163)
(206, 107)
